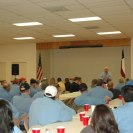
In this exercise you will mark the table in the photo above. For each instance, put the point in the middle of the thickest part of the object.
(115, 103)
(74, 126)
(69, 95)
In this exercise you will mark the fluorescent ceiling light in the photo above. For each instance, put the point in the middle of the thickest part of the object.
(108, 33)
(28, 24)
(23, 38)
(67, 35)
(85, 19)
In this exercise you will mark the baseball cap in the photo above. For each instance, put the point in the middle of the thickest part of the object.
(50, 91)
(15, 81)
(22, 79)
(24, 86)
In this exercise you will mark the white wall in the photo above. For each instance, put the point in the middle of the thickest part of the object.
(87, 63)
(21, 53)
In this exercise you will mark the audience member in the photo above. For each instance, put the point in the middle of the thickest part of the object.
(130, 82)
(75, 84)
(106, 75)
(115, 92)
(100, 92)
(14, 88)
(124, 114)
(126, 80)
(34, 87)
(22, 80)
(67, 84)
(102, 121)
(61, 85)
(84, 98)
(6, 119)
(52, 81)
(49, 109)
(44, 83)
(120, 84)
(5, 91)
(93, 83)
(23, 102)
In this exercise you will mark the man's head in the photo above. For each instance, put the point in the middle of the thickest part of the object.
(4, 83)
(77, 80)
(100, 82)
(110, 85)
(83, 87)
(59, 79)
(51, 91)
(33, 83)
(25, 88)
(106, 69)
(127, 93)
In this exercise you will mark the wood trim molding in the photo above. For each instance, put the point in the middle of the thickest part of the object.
(104, 43)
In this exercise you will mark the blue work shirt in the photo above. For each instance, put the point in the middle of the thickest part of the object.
(124, 117)
(4, 94)
(33, 91)
(39, 94)
(100, 92)
(45, 111)
(22, 103)
(15, 91)
(84, 98)
(119, 86)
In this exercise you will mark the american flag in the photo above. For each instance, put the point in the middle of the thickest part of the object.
(39, 69)
(123, 65)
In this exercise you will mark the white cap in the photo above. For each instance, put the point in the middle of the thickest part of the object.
(50, 91)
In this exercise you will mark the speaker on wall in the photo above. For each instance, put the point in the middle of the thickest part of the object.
(15, 69)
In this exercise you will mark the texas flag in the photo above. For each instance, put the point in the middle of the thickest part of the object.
(123, 65)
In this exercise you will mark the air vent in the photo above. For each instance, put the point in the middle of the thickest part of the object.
(56, 9)
(81, 46)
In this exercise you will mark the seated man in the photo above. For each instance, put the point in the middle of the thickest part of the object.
(99, 91)
(124, 114)
(15, 88)
(5, 91)
(115, 92)
(61, 85)
(84, 98)
(34, 88)
(23, 102)
(49, 109)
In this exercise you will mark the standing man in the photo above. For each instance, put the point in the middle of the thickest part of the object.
(106, 75)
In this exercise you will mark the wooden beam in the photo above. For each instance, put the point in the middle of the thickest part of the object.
(104, 43)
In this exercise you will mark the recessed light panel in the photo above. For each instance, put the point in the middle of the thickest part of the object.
(28, 24)
(85, 19)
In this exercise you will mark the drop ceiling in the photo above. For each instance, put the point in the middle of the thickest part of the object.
(117, 15)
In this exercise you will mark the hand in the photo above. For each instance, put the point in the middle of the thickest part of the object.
(107, 98)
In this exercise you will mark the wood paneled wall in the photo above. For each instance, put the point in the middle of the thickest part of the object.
(104, 43)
